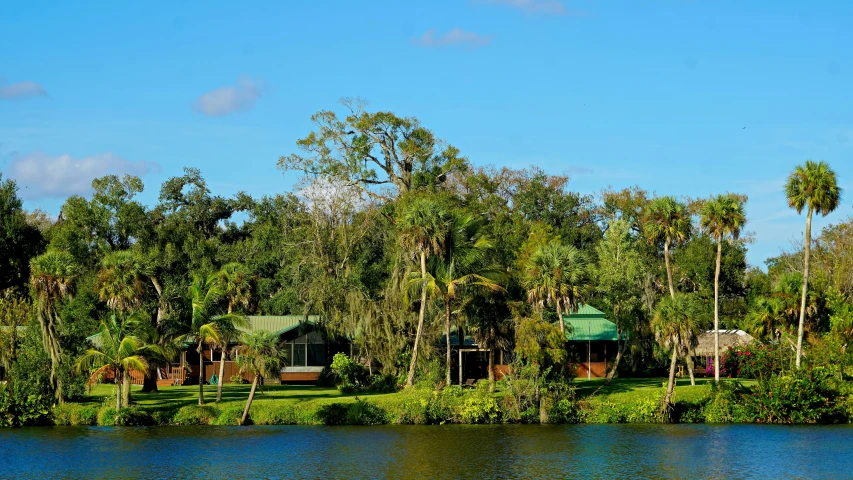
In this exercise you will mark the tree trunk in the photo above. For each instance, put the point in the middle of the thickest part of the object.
(149, 384)
(447, 335)
(689, 361)
(717, 311)
(668, 267)
(411, 379)
(492, 369)
(801, 328)
(620, 349)
(200, 351)
(160, 310)
(117, 379)
(125, 394)
(249, 401)
(221, 372)
(560, 318)
(666, 402)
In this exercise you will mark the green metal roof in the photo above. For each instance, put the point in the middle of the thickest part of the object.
(279, 324)
(589, 324)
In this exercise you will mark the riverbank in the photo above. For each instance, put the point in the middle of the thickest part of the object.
(624, 401)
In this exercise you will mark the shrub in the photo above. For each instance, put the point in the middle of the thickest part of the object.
(755, 360)
(351, 376)
(726, 404)
(195, 415)
(107, 416)
(133, 417)
(480, 409)
(799, 397)
(74, 414)
(360, 412)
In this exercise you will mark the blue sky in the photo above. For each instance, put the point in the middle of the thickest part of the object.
(680, 97)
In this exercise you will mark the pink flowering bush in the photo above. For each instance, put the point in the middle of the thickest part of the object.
(755, 360)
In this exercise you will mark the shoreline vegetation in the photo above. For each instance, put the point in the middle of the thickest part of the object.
(409, 271)
(623, 401)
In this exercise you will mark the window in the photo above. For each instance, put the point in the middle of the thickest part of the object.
(298, 359)
(316, 355)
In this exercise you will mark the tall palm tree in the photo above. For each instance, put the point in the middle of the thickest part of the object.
(556, 274)
(812, 186)
(261, 356)
(52, 279)
(120, 345)
(491, 324)
(204, 327)
(236, 287)
(120, 281)
(667, 220)
(676, 324)
(723, 217)
(423, 224)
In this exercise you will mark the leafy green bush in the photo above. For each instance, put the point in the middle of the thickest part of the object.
(799, 397)
(351, 376)
(195, 415)
(107, 416)
(755, 360)
(299, 414)
(133, 417)
(74, 414)
(726, 403)
(480, 409)
(360, 412)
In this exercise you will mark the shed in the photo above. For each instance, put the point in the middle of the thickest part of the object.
(728, 338)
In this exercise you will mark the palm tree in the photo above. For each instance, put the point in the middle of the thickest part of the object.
(235, 286)
(423, 224)
(763, 316)
(556, 275)
(203, 327)
(120, 281)
(52, 279)
(723, 216)
(120, 345)
(812, 186)
(261, 356)
(676, 323)
(667, 220)
(490, 322)
(457, 269)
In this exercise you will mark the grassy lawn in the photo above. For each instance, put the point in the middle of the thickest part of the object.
(620, 390)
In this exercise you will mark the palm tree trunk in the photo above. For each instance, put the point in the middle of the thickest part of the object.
(117, 378)
(668, 267)
(492, 369)
(560, 318)
(447, 336)
(670, 386)
(689, 361)
(717, 311)
(200, 351)
(221, 373)
(125, 394)
(411, 379)
(620, 349)
(801, 328)
(249, 401)
(160, 310)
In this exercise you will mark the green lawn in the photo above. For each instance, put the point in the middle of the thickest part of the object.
(620, 390)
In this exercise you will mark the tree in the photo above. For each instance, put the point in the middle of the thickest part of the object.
(556, 275)
(52, 279)
(490, 323)
(120, 346)
(812, 186)
(459, 267)
(667, 220)
(676, 323)
(204, 327)
(19, 240)
(261, 356)
(372, 151)
(236, 288)
(619, 283)
(723, 217)
(423, 222)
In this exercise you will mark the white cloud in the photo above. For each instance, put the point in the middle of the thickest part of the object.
(231, 99)
(44, 176)
(457, 36)
(543, 7)
(21, 90)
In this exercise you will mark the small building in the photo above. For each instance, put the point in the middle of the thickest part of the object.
(705, 349)
(593, 339)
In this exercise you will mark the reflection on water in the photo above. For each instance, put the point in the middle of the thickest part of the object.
(584, 451)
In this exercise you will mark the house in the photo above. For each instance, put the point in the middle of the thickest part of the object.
(307, 351)
(593, 339)
(703, 354)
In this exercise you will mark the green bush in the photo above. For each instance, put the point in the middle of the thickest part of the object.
(360, 412)
(799, 397)
(107, 416)
(480, 409)
(299, 414)
(195, 415)
(133, 417)
(229, 415)
(726, 404)
(755, 360)
(74, 414)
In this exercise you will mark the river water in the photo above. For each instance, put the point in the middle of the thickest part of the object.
(504, 451)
